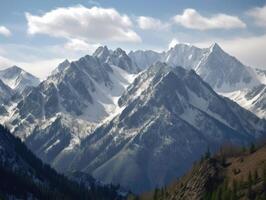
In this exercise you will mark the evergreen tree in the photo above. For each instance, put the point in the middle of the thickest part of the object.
(223, 160)
(249, 185)
(264, 181)
(156, 194)
(234, 195)
(219, 194)
(252, 148)
(256, 175)
(208, 153)
(244, 149)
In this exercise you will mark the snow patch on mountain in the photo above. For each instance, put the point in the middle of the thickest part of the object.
(18, 79)
(253, 99)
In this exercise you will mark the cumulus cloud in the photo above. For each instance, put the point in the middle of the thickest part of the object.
(5, 62)
(259, 15)
(88, 24)
(4, 31)
(41, 68)
(190, 18)
(172, 43)
(149, 23)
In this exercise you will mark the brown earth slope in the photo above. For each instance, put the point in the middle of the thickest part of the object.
(232, 174)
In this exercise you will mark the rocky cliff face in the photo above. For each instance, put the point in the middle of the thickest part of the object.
(165, 111)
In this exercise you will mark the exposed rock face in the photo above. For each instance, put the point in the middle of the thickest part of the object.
(221, 71)
(253, 99)
(18, 79)
(166, 111)
(99, 115)
(118, 58)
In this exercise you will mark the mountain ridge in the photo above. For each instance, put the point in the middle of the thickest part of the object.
(100, 113)
(18, 79)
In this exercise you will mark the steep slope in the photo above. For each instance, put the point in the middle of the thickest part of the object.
(165, 111)
(23, 176)
(53, 117)
(90, 115)
(61, 67)
(224, 73)
(261, 74)
(253, 99)
(5, 93)
(187, 56)
(144, 59)
(18, 79)
(231, 174)
(221, 71)
(117, 57)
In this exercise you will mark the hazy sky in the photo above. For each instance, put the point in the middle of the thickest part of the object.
(37, 34)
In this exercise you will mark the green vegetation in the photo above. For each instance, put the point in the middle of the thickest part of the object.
(233, 173)
(41, 181)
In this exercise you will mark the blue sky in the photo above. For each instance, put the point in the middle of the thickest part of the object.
(38, 34)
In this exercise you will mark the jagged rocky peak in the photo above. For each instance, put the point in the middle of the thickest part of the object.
(64, 64)
(120, 51)
(102, 53)
(97, 70)
(5, 93)
(18, 79)
(215, 47)
(101, 50)
(224, 72)
(166, 111)
(61, 67)
(12, 70)
(185, 48)
(145, 58)
(118, 57)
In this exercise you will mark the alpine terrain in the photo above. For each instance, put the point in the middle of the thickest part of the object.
(139, 119)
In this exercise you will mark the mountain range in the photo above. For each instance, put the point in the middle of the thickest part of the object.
(138, 119)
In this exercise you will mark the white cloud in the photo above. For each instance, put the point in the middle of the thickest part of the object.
(5, 31)
(40, 60)
(41, 68)
(5, 62)
(80, 45)
(259, 14)
(94, 24)
(149, 23)
(249, 50)
(172, 43)
(193, 20)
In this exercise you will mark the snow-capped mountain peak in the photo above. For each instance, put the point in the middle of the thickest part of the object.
(118, 57)
(18, 79)
(125, 112)
(102, 53)
(215, 48)
(166, 111)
